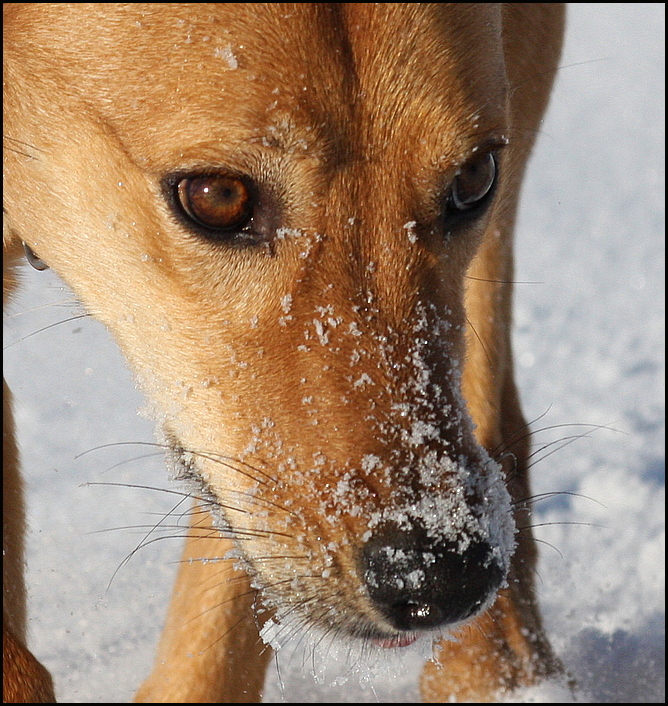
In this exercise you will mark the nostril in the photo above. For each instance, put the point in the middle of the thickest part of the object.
(418, 582)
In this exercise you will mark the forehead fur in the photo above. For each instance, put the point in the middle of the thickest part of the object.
(318, 84)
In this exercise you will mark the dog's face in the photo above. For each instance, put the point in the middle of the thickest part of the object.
(275, 220)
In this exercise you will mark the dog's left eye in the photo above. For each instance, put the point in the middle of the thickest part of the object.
(219, 202)
(473, 185)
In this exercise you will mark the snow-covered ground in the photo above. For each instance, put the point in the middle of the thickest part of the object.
(589, 337)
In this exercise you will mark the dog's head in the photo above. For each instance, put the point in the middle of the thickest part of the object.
(274, 211)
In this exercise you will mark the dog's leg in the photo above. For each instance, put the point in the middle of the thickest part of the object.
(24, 679)
(210, 651)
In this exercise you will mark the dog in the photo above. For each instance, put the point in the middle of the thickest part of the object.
(297, 221)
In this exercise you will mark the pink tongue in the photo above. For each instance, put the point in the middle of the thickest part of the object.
(397, 641)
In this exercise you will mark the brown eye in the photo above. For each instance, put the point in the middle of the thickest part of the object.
(472, 184)
(219, 202)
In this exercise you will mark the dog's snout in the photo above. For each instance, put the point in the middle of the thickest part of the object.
(418, 582)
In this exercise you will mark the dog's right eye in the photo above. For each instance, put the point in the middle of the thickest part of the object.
(473, 184)
(220, 203)
(471, 191)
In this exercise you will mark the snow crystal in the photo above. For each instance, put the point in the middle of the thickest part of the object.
(286, 303)
(370, 462)
(364, 379)
(410, 229)
(227, 55)
(320, 332)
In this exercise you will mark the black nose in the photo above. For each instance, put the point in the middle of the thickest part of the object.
(419, 582)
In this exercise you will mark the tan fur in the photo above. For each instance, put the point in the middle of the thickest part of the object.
(293, 376)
